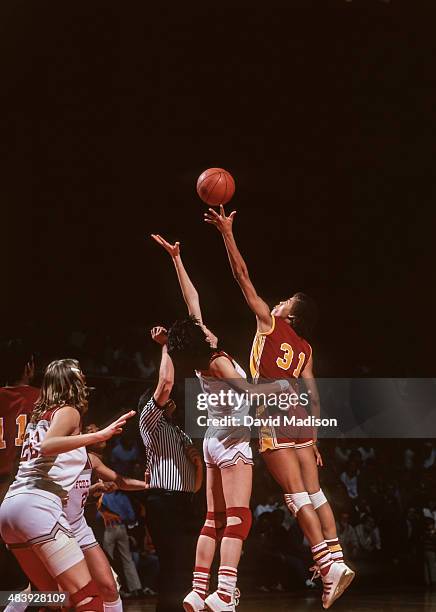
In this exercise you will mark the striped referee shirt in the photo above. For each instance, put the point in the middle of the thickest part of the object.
(165, 445)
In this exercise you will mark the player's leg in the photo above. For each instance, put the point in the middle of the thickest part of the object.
(102, 575)
(62, 560)
(236, 484)
(32, 521)
(36, 573)
(210, 535)
(284, 466)
(309, 471)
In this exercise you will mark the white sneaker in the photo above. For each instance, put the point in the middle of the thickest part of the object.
(349, 576)
(193, 602)
(216, 604)
(334, 584)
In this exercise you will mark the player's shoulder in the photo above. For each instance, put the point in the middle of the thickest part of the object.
(60, 411)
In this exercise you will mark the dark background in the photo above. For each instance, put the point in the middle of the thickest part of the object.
(323, 112)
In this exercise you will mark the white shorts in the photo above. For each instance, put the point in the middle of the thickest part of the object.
(219, 453)
(32, 518)
(84, 535)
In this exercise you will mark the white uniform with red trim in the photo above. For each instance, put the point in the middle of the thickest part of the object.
(32, 511)
(225, 443)
(75, 509)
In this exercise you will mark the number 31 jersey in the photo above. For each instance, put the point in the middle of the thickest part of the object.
(54, 474)
(279, 352)
(16, 405)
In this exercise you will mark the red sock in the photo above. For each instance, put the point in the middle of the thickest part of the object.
(200, 581)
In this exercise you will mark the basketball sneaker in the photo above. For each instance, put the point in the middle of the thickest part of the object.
(349, 575)
(193, 602)
(334, 584)
(216, 604)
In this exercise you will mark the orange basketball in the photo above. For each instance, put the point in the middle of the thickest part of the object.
(215, 186)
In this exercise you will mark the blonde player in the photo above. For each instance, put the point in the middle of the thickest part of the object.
(227, 451)
(32, 519)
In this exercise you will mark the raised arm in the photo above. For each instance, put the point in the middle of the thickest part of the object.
(166, 370)
(189, 292)
(239, 268)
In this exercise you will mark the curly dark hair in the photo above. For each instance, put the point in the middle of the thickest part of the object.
(187, 341)
(304, 314)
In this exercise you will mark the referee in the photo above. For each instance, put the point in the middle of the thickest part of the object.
(176, 472)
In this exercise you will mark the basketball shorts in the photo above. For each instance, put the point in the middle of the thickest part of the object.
(285, 434)
(83, 533)
(31, 518)
(223, 450)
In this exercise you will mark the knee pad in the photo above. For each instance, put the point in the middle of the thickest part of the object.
(215, 531)
(295, 501)
(60, 553)
(89, 591)
(240, 530)
(318, 499)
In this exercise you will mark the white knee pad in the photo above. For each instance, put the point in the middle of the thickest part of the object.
(295, 501)
(318, 499)
(59, 554)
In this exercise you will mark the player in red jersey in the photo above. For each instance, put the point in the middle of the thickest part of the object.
(290, 453)
(17, 399)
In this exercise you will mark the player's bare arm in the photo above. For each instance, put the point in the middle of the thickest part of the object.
(221, 367)
(61, 436)
(239, 268)
(108, 475)
(189, 292)
(166, 370)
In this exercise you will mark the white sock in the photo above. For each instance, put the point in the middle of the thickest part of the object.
(227, 577)
(113, 606)
(18, 606)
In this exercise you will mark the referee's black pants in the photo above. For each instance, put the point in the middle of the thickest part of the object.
(168, 516)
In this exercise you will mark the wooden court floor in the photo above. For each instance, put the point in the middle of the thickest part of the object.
(390, 600)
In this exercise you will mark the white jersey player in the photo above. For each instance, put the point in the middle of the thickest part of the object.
(32, 519)
(227, 438)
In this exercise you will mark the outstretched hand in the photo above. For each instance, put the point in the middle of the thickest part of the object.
(114, 428)
(222, 223)
(159, 334)
(172, 249)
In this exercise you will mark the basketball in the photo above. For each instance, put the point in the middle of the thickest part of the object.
(215, 186)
